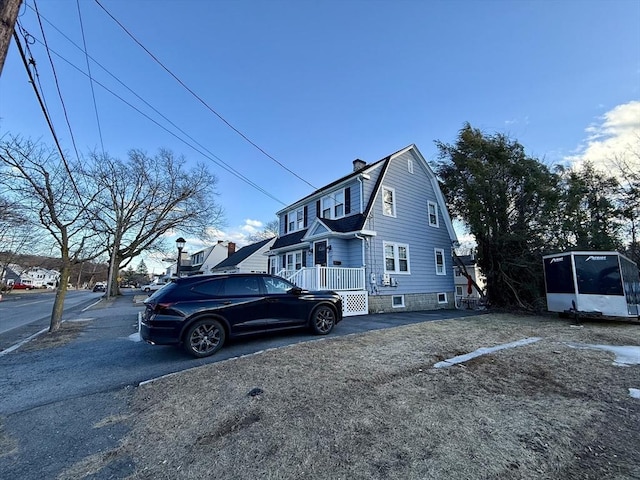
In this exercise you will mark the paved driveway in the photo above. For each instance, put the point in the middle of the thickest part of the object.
(53, 402)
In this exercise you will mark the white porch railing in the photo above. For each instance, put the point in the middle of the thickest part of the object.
(326, 278)
(348, 282)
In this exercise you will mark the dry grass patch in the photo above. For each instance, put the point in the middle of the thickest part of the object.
(372, 406)
(67, 333)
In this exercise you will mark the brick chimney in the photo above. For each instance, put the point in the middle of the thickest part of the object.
(231, 249)
(358, 164)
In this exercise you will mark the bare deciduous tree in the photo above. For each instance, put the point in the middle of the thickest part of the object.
(144, 198)
(269, 230)
(42, 185)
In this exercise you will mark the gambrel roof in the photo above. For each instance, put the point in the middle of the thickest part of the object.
(355, 223)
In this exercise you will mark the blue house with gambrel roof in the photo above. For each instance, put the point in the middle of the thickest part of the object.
(380, 236)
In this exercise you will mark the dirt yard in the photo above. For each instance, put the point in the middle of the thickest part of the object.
(373, 406)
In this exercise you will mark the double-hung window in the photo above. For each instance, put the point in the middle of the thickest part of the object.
(440, 266)
(326, 207)
(338, 207)
(294, 261)
(295, 220)
(333, 205)
(396, 258)
(388, 202)
(299, 219)
(432, 208)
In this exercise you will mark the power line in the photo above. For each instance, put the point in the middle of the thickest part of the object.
(55, 76)
(200, 99)
(212, 157)
(44, 110)
(93, 93)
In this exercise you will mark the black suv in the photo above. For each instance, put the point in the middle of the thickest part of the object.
(200, 312)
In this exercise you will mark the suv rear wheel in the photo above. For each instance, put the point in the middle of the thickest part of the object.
(204, 338)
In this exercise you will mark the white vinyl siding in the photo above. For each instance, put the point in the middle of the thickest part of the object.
(396, 258)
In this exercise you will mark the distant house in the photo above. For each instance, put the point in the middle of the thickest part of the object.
(203, 261)
(8, 276)
(465, 289)
(249, 259)
(381, 236)
(39, 277)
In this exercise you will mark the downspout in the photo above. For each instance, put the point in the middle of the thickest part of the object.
(361, 193)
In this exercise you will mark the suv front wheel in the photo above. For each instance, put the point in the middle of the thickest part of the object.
(204, 338)
(323, 319)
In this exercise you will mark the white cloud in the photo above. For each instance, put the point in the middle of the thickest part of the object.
(253, 223)
(615, 136)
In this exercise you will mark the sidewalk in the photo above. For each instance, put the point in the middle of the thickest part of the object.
(122, 305)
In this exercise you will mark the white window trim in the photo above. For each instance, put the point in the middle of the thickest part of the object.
(444, 261)
(410, 165)
(393, 204)
(445, 298)
(292, 217)
(435, 207)
(396, 257)
(393, 305)
(293, 254)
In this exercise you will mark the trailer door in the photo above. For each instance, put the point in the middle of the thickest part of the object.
(598, 275)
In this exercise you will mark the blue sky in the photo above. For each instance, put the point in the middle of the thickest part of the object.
(318, 84)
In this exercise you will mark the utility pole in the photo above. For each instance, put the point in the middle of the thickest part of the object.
(8, 15)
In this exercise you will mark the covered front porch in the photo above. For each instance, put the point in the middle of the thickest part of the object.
(348, 282)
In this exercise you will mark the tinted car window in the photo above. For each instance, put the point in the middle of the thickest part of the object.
(212, 288)
(277, 285)
(241, 286)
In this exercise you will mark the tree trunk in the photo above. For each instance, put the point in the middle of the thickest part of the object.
(58, 305)
(466, 274)
(113, 287)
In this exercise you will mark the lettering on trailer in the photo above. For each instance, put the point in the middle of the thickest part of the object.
(557, 259)
(596, 258)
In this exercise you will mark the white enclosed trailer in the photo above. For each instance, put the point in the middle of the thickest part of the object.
(592, 283)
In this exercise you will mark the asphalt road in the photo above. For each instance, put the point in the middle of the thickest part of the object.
(53, 402)
(18, 308)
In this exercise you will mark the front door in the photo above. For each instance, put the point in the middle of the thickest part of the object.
(320, 258)
(320, 253)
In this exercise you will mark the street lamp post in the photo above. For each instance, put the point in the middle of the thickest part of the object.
(180, 244)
